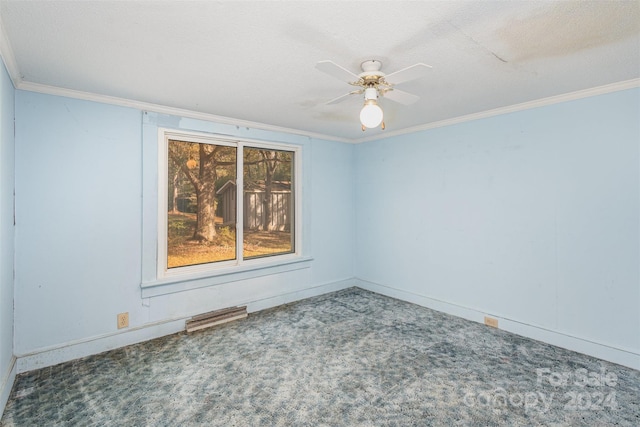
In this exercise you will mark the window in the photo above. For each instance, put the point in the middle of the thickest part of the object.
(225, 203)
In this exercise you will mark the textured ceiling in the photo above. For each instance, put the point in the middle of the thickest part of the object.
(255, 61)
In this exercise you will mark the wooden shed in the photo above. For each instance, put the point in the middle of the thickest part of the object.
(254, 205)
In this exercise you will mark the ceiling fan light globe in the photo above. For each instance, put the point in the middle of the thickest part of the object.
(371, 116)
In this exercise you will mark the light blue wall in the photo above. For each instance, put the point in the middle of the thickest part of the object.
(6, 233)
(79, 197)
(78, 218)
(531, 216)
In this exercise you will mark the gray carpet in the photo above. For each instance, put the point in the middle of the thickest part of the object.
(351, 358)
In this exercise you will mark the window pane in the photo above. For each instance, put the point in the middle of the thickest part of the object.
(201, 201)
(268, 202)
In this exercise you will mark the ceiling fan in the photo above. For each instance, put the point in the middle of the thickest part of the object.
(374, 83)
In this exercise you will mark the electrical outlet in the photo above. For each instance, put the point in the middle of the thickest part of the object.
(490, 321)
(123, 320)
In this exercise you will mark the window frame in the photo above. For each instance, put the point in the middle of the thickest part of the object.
(240, 264)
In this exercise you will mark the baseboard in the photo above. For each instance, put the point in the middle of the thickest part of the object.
(8, 379)
(620, 356)
(54, 355)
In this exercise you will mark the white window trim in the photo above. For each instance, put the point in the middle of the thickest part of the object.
(239, 265)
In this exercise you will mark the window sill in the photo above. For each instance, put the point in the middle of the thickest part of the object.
(182, 283)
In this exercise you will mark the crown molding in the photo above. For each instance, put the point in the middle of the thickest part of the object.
(572, 96)
(162, 109)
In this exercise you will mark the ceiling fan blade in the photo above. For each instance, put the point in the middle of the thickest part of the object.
(400, 96)
(337, 71)
(410, 73)
(344, 97)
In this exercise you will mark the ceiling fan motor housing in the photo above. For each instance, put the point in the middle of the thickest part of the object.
(371, 75)
(371, 65)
